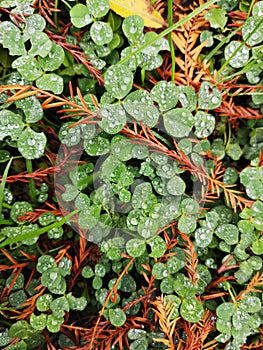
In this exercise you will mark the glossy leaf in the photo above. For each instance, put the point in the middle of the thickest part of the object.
(80, 16)
(204, 124)
(117, 317)
(32, 109)
(209, 97)
(178, 122)
(191, 310)
(113, 118)
(98, 8)
(166, 94)
(31, 144)
(11, 124)
(28, 67)
(118, 80)
(101, 33)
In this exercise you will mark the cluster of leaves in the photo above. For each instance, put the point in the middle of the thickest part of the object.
(131, 200)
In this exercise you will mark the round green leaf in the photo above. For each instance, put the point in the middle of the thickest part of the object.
(31, 144)
(132, 27)
(135, 247)
(176, 186)
(142, 111)
(225, 311)
(147, 227)
(98, 8)
(43, 302)
(140, 151)
(113, 118)
(32, 108)
(51, 278)
(204, 124)
(183, 286)
(51, 82)
(257, 9)
(207, 35)
(45, 262)
(97, 147)
(54, 323)
(117, 317)
(46, 219)
(234, 151)
(118, 80)
(38, 322)
(87, 272)
(254, 189)
(250, 304)
(70, 193)
(128, 284)
(249, 174)
(12, 39)
(175, 303)
(134, 334)
(101, 33)
(17, 298)
(209, 97)
(19, 282)
(241, 320)
(55, 232)
(191, 310)
(178, 122)
(10, 125)
(189, 206)
(223, 326)
(19, 209)
(4, 337)
(19, 329)
(240, 57)
(228, 232)
(175, 264)
(96, 282)
(141, 343)
(187, 223)
(34, 23)
(166, 94)
(64, 266)
(40, 44)
(159, 270)
(28, 67)
(230, 176)
(217, 18)
(203, 237)
(69, 136)
(80, 16)
(60, 288)
(257, 246)
(167, 285)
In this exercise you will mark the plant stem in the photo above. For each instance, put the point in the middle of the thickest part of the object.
(2, 186)
(55, 13)
(170, 39)
(32, 187)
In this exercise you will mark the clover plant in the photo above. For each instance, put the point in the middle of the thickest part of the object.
(131, 199)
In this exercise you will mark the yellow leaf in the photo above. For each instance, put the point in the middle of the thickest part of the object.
(125, 8)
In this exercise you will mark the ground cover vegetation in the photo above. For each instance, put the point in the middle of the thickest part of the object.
(131, 194)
